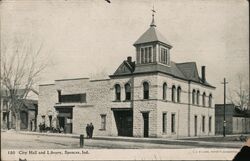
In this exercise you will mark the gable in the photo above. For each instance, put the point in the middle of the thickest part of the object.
(123, 69)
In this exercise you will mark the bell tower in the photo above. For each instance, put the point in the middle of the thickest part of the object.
(152, 47)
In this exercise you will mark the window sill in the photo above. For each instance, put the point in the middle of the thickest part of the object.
(102, 129)
(116, 101)
(127, 101)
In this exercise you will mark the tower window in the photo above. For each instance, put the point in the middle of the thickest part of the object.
(164, 56)
(146, 55)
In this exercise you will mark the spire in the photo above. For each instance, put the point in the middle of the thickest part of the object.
(153, 20)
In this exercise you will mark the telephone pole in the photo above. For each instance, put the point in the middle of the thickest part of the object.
(224, 112)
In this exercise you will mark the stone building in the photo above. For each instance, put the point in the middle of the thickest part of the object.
(237, 121)
(149, 97)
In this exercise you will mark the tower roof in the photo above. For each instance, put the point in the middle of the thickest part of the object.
(151, 35)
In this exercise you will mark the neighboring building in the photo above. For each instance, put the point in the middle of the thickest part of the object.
(237, 121)
(28, 112)
(150, 97)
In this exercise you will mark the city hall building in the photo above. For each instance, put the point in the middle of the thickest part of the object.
(149, 97)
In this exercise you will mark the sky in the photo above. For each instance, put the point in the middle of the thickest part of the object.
(89, 38)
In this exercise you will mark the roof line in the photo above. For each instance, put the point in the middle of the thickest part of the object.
(70, 79)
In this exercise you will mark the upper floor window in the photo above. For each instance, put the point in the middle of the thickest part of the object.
(173, 93)
(164, 90)
(73, 98)
(117, 92)
(145, 90)
(198, 97)
(146, 54)
(204, 99)
(164, 56)
(179, 94)
(127, 92)
(193, 96)
(210, 100)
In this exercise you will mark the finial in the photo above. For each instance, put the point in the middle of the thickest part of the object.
(153, 20)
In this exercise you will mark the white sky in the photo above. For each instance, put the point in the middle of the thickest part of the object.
(86, 37)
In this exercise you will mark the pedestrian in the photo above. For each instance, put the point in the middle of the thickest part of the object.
(91, 129)
(88, 131)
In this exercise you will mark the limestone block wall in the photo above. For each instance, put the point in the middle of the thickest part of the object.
(199, 112)
(46, 101)
(98, 103)
(181, 116)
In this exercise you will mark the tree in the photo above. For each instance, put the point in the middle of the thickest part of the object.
(21, 64)
(239, 96)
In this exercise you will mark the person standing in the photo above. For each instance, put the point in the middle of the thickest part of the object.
(88, 131)
(91, 129)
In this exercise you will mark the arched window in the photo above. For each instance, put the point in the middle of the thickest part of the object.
(179, 94)
(127, 92)
(173, 93)
(210, 100)
(145, 90)
(204, 99)
(164, 90)
(198, 97)
(117, 92)
(193, 97)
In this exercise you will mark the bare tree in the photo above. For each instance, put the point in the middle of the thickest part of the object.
(21, 65)
(239, 96)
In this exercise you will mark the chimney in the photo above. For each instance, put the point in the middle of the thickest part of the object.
(203, 73)
(129, 59)
(59, 95)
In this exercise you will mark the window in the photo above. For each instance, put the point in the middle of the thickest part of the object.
(145, 90)
(193, 97)
(73, 98)
(204, 99)
(146, 55)
(198, 97)
(203, 123)
(173, 123)
(164, 90)
(210, 124)
(164, 122)
(173, 93)
(117, 92)
(210, 100)
(103, 122)
(179, 94)
(164, 56)
(127, 92)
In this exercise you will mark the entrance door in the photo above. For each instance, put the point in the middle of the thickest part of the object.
(195, 125)
(65, 119)
(124, 122)
(145, 121)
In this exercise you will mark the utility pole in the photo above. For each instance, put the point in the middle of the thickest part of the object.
(224, 111)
